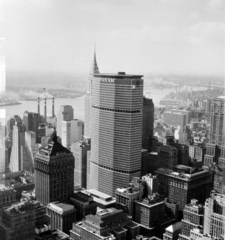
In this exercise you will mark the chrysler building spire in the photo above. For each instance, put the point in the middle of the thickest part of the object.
(94, 69)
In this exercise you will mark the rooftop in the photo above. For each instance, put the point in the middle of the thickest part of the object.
(176, 227)
(60, 207)
(119, 75)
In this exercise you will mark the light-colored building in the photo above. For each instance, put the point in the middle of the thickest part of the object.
(152, 183)
(116, 130)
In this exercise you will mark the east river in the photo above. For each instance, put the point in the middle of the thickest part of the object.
(77, 103)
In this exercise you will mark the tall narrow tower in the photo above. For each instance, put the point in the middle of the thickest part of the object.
(87, 109)
(116, 130)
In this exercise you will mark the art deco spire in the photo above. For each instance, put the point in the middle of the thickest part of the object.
(94, 70)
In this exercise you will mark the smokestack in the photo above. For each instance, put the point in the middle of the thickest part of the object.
(45, 110)
(38, 107)
(53, 107)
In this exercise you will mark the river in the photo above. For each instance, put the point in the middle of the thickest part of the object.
(77, 103)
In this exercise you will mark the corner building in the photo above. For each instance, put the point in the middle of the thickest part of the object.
(116, 123)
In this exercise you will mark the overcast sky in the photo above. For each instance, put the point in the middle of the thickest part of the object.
(136, 36)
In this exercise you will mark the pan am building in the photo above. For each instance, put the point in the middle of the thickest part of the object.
(116, 123)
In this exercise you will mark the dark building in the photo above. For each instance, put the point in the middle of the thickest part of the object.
(84, 205)
(45, 233)
(219, 178)
(183, 184)
(54, 172)
(88, 168)
(106, 224)
(150, 211)
(79, 150)
(31, 122)
(183, 156)
(62, 216)
(147, 123)
(116, 130)
(167, 157)
(193, 216)
(18, 221)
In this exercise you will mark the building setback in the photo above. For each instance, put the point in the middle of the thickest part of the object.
(183, 184)
(54, 172)
(116, 130)
(108, 224)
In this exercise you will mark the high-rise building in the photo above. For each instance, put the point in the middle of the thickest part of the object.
(167, 157)
(107, 224)
(214, 216)
(152, 183)
(184, 183)
(65, 114)
(193, 215)
(116, 130)
(62, 216)
(216, 132)
(87, 108)
(31, 122)
(79, 150)
(72, 131)
(19, 220)
(148, 123)
(54, 172)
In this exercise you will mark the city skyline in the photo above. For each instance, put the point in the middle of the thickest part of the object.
(177, 36)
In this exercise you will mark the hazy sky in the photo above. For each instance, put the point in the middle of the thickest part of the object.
(136, 36)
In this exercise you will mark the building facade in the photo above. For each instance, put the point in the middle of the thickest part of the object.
(116, 130)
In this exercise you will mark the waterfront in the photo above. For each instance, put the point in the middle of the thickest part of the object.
(76, 103)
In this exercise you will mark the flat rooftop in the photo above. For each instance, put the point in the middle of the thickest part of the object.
(118, 75)
(61, 207)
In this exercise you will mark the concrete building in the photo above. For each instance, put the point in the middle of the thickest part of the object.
(31, 122)
(65, 114)
(7, 196)
(72, 131)
(116, 130)
(45, 233)
(87, 108)
(216, 132)
(219, 179)
(84, 205)
(108, 224)
(193, 217)
(172, 232)
(167, 157)
(19, 220)
(183, 184)
(54, 172)
(175, 119)
(147, 123)
(150, 211)
(214, 216)
(152, 183)
(79, 150)
(62, 216)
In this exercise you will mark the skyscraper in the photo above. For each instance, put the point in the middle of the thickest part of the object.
(116, 130)
(87, 110)
(216, 132)
(31, 122)
(54, 172)
(65, 114)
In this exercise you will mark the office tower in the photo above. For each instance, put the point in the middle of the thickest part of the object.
(172, 232)
(167, 157)
(107, 224)
(87, 108)
(150, 211)
(216, 132)
(88, 168)
(54, 172)
(175, 119)
(65, 114)
(147, 123)
(193, 217)
(84, 205)
(116, 130)
(31, 122)
(62, 216)
(183, 184)
(31, 146)
(218, 180)
(214, 216)
(7, 196)
(144, 161)
(72, 131)
(197, 152)
(152, 183)
(19, 220)
(79, 150)
(11, 122)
